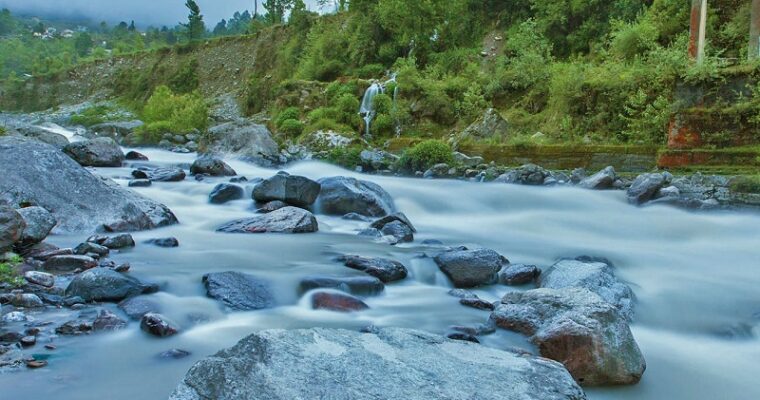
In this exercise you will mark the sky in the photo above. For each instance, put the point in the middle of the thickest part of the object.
(143, 12)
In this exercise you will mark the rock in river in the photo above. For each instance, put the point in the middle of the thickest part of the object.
(602, 180)
(336, 301)
(244, 139)
(40, 174)
(12, 226)
(294, 190)
(99, 152)
(103, 284)
(341, 195)
(284, 220)
(158, 325)
(577, 328)
(39, 223)
(225, 192)
(382, 268)
(239, 291)
(212, 166)
(470, 268)
(518, 274)
(360, 285)
(644, 187)
(387, 364)
(136, 307)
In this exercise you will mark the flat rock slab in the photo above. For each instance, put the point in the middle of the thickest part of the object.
(284, 220)
(385, 269)
(239, 291)
(103, 284)
(388, 364)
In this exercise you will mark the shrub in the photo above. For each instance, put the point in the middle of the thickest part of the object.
(166, 112)
(96, 115)
(291, 127)
(290, 113)
(8, 273)
(322, 113)
(185, 78)
(382, 125)
(348, 157)
(2, 131)
(382, 104)
(370, 71)
(426, 154)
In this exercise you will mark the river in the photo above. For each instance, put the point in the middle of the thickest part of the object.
(696, 276)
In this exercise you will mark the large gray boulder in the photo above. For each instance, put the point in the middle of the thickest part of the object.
(295, 190)
(239, 291)
(284, 220)
(388, 364)
(213, 166)
(105, 284)
(644, 188)
(471, 268)
(595, 276)
(577, 328)
(243, 139)
(528, 174)
(602, 180)
(40, 174)
(39, 223)
(490, 124)
(41, 134)
(341, 195)
(12, 226)
(99, 152)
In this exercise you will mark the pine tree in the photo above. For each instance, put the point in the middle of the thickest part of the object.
(195, 27)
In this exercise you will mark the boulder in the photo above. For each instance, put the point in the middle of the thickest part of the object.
(40, 174)
(518, 274)
(387, 364)
(284, 220)
(243, 139)
(341, 195)
(136, 307)
(644, 187)
(382, 268)
(598, 277)
(69, 263)
(108, 321)
(173, 174)
(91, 248)
(12, 226)
(239, 291)
(399, 216)
(529, 174)
(121, 241)
(140, 183)
(39, 223)
(100, 152)
(168, 242)
(577, 328)
(136, 156)
(470, 268)
(294, 190)
(27, 300)
(225, 192)
(103, 284)
(42, 134)
(398, 231)
(272, 206)
(40, 278)
(336, 301)
(490, 124)
(212, 166)
(360, 285)
(158, 325)
(602, 180)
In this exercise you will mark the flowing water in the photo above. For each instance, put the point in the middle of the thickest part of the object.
(696, 277)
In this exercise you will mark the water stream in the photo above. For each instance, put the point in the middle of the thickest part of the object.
(695, 277)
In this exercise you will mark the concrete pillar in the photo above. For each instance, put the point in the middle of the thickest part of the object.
(754, 31)
(698, 26)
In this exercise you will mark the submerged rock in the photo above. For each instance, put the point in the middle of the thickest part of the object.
(341, 195)
(108, 321)
(136, 307)
(335, 301)
(382, 268)
(239, 291)
(103, 284)
(99, 152)
(284, 220)
(294, 190)
(158, 325)
(78, 199)
(168, 242)
(386, 364)
(359, 285)
(470, 268)
(577, 328)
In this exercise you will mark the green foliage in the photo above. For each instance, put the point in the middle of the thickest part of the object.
(381, 103)
(185, 79)
(8, 273)
(382, 125)
(166, 112)
(96, 115)
(290, 113)
(291, 128)
(426, 154)
(195, 27)
(348, 157)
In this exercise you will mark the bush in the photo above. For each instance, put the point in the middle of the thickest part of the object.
(348, 157)
(382, 104)
(8, 273)
(291, 127)
(290, 113)
(96, 115)
(2, 131)
(370, 71)
(426, 154)
(166, 112)
(382, 125)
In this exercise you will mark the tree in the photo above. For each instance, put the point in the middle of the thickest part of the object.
(132, 27)
(276, 10)
(221, 28)
(195, 27)
(83, 44)
(7, 22)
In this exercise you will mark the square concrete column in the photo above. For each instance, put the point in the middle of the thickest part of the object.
(697, 30)
(754, 31)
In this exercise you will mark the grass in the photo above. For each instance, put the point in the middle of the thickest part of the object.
(8, 273)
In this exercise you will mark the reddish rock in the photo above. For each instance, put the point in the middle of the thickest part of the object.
(337, 302)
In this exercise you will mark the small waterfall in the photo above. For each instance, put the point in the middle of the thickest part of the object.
(367, 109)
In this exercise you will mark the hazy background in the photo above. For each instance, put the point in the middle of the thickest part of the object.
(143, 12)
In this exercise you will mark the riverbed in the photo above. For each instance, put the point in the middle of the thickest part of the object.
(695, 276)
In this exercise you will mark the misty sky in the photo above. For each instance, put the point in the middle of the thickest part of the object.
(144, 12)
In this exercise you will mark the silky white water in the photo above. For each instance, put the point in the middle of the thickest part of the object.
(696, 276)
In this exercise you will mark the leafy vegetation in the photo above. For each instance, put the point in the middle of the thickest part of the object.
(8, 274)
(425, 155)
(97, 115)
(167, 112)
